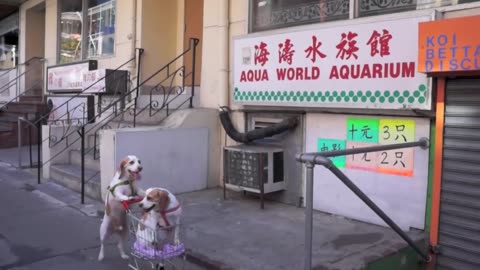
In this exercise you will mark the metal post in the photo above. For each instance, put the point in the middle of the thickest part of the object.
(340, 175)
(82, 145)
(309, 216)
(39, 148)
(139, 66)
(30, 145)
(19, 141)
(195, 42)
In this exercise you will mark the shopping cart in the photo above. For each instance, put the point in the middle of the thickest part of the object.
(153, 247)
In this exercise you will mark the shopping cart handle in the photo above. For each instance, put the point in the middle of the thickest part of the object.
(126, 203)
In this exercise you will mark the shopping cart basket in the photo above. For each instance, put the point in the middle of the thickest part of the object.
(154, 247)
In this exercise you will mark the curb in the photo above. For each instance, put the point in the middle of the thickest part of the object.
(203, 261)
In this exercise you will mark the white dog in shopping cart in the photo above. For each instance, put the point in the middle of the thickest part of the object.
(122, 188)
(161, 219)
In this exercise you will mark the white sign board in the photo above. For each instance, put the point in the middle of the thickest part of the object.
(91, 81)
(67, 77)
(395, 180)
(365, 65)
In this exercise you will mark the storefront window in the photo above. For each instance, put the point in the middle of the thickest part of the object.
(99, 37)
(379, 7)
(274, 14)
(70, 30)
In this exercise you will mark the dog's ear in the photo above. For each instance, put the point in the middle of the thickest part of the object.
(123, 165)
(163, 200)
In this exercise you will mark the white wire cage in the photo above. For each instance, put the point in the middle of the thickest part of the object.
(155, 247)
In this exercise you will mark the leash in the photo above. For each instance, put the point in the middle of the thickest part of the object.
(163, 214)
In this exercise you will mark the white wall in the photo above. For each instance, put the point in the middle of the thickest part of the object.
(403, 198)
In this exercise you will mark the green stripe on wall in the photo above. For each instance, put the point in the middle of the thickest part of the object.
(431, 164)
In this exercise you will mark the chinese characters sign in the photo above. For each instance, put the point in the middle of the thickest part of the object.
(365, 132)
(370, 65)
(68, 77)
(449, 45)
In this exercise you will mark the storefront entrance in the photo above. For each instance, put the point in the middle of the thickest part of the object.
(459, 224)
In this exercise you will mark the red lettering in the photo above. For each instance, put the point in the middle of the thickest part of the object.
(285, 52)
(314, 50)
(383, 40)
(290, 74)
(243, 77)
(298, 73)
(408, 70)
(265, 75)
(377, 70)
(333, 73)
(347, 46)
(344, 72)
(281, 74)
(315, 73)
(254, 75)
(394, 73)
(261, 54)
(250, 76)
(355, 72)
(366, 72)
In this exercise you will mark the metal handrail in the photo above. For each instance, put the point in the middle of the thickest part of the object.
(81, 130)
(321, 158)
(5, 105)
(90, 86)
(12, 82)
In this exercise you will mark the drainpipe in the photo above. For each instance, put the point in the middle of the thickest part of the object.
(224, 48)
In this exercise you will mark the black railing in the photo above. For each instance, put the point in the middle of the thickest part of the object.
(168, 88)
(14, 82)
(68, 124)
(100, 121)
(321, 158)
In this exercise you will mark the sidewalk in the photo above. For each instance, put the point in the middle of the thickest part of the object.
(44, 227)
(220, 234)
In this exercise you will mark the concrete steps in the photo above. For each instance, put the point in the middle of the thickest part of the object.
(69, 175)
(28, 107)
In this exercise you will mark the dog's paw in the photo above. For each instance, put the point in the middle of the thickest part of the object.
(124, 256)
(100, 257)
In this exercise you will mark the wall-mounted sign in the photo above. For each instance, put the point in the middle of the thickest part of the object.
(105, 81)
(365, 132)
(396, 180)
(68, 77)
(365, 65)
(449, 45)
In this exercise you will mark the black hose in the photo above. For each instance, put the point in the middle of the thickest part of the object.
(285, 125)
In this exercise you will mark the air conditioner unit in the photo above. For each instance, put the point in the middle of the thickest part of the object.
(254, 168)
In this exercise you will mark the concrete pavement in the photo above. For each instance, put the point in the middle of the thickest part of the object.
(43, 227)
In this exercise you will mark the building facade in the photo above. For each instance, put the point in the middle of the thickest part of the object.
(355, 73)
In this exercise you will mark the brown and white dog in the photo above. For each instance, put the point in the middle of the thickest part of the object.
(163, 210)
(122, 187)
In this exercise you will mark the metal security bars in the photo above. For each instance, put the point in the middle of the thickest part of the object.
(321, 158)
